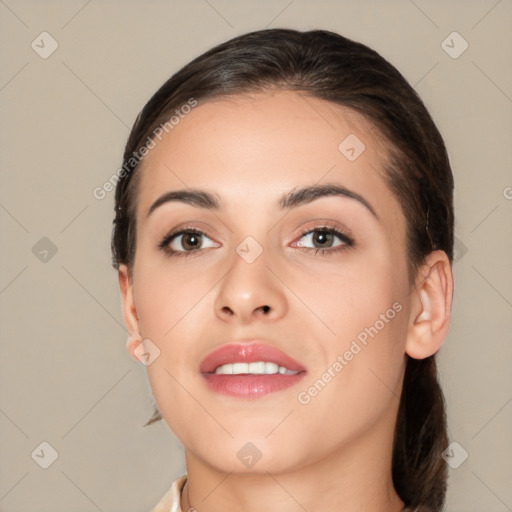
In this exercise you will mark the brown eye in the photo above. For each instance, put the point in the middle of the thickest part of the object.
(185, 242)
(322, 238)
(190, 240)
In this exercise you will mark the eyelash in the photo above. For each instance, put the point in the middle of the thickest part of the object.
(164, 244)
(347, 241)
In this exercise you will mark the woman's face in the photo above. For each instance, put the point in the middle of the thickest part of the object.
(337, 304)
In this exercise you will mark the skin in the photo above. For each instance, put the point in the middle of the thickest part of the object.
(333, 453)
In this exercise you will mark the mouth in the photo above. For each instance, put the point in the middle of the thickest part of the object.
(250, 370)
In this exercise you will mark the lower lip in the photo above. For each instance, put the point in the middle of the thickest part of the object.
(250, 386)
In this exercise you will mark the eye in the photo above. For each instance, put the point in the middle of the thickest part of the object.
(324, 239)
(185, 241)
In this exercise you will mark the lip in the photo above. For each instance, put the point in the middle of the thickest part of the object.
(245, 385)
(247, 353)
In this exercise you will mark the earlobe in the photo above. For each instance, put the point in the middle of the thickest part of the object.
(129, 312)
(431, 307)
(131, 344)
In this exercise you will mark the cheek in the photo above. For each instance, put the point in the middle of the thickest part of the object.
(361, 381)
(167, 295)
(353, 295)
(171, 306)
(365, 306)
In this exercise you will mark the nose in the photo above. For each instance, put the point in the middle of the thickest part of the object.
(250, 291)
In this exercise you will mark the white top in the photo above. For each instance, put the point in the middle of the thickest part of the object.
(171, 501)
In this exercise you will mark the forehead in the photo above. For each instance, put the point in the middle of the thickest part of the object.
(262, 144)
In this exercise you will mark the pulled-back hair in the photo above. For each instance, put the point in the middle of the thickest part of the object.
(331, 67)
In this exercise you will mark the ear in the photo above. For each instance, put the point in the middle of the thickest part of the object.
(129, 312)
(431, 305)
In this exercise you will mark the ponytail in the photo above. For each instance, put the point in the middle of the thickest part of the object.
(419, 471)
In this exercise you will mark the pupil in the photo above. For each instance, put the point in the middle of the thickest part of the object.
(192, 236)
(323, 237)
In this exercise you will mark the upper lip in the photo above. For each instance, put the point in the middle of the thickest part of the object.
(244, 352)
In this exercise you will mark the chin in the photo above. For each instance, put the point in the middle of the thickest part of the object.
(257, 456)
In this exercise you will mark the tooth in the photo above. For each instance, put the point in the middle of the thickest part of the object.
(271, 368)
(255, 368)
(258, 367)
(225, 369)
(240, 368)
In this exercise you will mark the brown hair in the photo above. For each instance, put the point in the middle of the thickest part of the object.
(329, 66)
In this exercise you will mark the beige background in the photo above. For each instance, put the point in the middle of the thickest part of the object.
(65, 376)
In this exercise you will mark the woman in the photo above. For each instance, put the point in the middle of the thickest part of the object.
(284, 239)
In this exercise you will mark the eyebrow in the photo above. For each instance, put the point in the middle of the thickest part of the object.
(202, 199)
